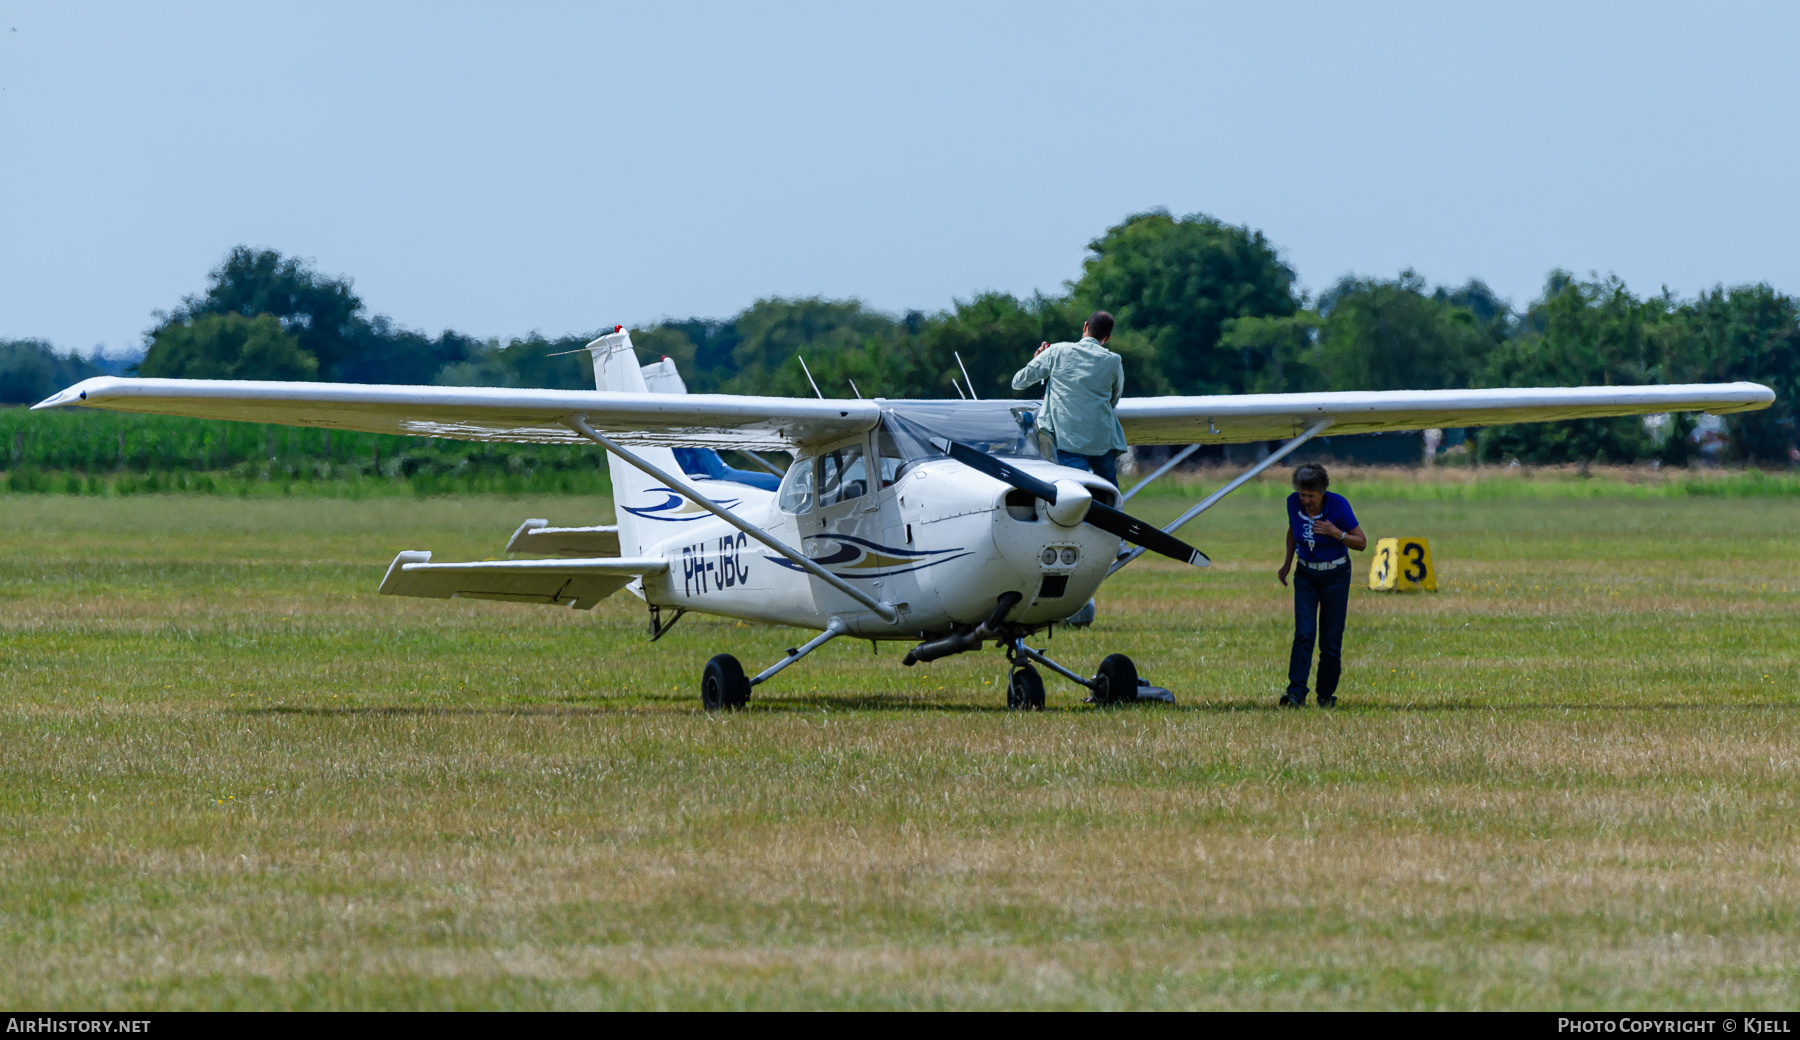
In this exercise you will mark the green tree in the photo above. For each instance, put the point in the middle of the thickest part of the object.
(701, 348)
(1592, 333)
(227, 346)
(1750, 332)
(1393, 335)
(323, 314)
(1278, 349)
(383, 352)
(1492, 314)
(772, 332)
(31, 370)
(326, 317)
(556, 364)
(1176, 282)
(994, 333)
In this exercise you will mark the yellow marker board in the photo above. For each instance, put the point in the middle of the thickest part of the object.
(1402, 565)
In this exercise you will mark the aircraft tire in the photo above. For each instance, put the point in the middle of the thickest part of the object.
(1117, 680)
(723, 686)
(1025, 690)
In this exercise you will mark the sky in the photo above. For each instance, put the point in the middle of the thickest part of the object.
(500, 169)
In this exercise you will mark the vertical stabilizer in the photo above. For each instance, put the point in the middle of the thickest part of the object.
(661, 377)
(635, 492)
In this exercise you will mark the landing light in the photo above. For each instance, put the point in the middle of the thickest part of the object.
(1068, 557)
(1049, 557)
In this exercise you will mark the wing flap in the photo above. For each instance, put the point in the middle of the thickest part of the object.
(1239, 418)
(577, 583)
(486, 413)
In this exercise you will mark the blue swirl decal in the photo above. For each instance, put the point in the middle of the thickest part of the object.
(860, 558)
(675, 508)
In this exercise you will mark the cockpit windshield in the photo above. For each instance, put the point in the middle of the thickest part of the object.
(1007, 428)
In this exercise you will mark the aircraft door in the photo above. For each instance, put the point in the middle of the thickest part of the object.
(847, 532)
(901, 575)
(844, 490)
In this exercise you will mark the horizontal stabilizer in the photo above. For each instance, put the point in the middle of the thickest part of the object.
(575, 583)
(537, 536)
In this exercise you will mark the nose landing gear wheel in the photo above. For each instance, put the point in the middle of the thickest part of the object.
(1025, 691)
(723, 686)
(1116, 682)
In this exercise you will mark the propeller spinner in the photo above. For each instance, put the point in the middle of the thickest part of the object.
(1069, 503)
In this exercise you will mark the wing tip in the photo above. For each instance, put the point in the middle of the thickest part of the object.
(62, 398)
(72, 396)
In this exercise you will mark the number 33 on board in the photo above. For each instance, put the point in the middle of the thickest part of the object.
(1403, 565)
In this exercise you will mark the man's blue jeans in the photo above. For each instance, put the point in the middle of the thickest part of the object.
(1321, 600)
(1105, 466)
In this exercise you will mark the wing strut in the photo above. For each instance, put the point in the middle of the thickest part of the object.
(1312, 430)
(833, 628)
(884, 609)
(760, 461)
(1160, 470)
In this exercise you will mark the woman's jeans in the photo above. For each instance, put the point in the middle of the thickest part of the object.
(1321, 599)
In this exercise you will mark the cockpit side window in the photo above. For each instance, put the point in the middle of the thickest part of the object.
(797, 487)
(893, 460)
(843, 475)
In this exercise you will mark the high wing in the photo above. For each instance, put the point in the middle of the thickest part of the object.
(487, 413)
(1238, 418)
(784, 423)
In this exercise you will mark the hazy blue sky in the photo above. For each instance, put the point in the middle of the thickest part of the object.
(499, 168)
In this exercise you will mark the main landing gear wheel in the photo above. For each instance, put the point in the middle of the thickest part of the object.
(1116, 682)
(723, 686)
(1025, 691)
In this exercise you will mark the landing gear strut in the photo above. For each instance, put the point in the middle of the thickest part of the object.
(723, 686)
(1116, 682)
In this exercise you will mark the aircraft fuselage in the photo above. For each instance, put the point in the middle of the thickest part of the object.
(941, 543)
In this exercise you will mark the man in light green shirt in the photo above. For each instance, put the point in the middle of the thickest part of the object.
(1086, 381)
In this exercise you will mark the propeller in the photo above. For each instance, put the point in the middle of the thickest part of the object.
(1071, 498)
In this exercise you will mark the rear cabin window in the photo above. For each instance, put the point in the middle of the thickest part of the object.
(797, 488)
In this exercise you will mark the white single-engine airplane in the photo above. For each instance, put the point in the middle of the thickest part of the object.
(942, 523)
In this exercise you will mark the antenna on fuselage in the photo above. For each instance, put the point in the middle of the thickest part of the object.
(965, 372)
(853, 388)
(958, 389)
(809, 377)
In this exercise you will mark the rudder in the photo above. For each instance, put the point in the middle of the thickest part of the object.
(616, 370)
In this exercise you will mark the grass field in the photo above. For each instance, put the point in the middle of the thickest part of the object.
(231, 776)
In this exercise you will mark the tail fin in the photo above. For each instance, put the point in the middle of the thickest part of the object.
(616, 369)
(662, 377)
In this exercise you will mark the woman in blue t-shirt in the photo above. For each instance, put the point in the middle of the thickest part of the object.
(1322, 529)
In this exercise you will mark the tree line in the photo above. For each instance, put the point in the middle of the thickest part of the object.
(118, 453)
(1204, 307)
